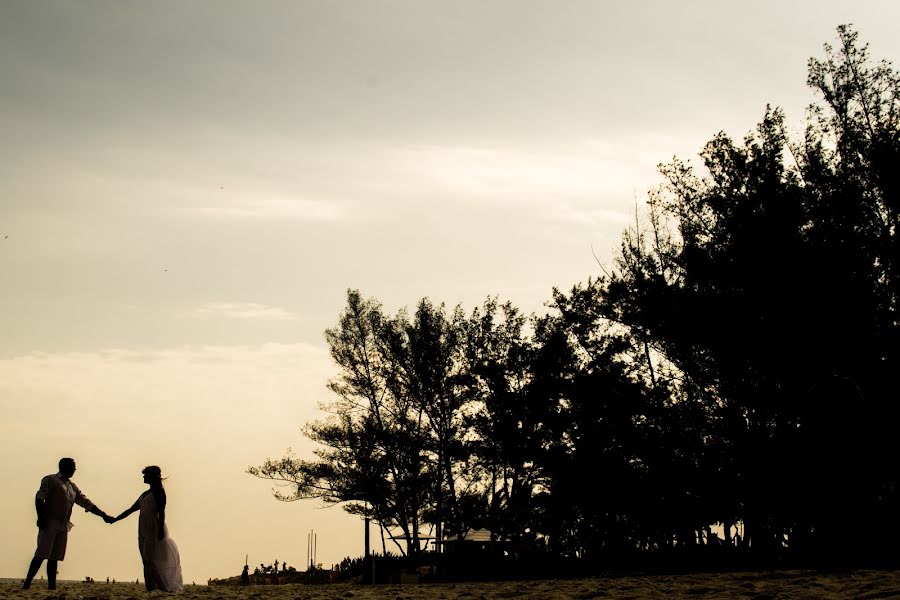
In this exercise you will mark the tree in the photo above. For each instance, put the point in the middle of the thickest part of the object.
(373, 455)
(506, 420)
(427, 355)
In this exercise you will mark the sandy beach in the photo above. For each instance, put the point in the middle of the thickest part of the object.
(858, 585)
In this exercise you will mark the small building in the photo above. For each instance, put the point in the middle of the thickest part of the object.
(474, 555)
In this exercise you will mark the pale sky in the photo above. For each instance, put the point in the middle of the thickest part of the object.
(187, 189)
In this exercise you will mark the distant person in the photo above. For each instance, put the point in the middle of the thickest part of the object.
(245, 575)
(162, 564)
(54, 501)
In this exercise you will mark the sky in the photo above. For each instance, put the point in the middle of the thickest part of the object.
(188, 189)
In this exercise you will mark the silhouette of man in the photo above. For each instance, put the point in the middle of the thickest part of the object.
(54, 501)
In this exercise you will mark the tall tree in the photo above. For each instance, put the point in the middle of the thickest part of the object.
(374, 447)
(427, 354)
(506, 423)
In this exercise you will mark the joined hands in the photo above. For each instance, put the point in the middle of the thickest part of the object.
(109, 520)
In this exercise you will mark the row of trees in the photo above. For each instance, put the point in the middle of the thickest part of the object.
(736, 364)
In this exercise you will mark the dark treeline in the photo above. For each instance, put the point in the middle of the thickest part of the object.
(737, 364)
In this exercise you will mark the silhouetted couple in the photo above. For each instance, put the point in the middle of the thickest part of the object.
(54, 502)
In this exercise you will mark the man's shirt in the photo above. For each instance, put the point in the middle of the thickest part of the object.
(60, 495)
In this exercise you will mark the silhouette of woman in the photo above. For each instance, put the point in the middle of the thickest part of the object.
(162, 564)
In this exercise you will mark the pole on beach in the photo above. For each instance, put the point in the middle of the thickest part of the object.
(311, 550)
(368, 563)
(366, 553)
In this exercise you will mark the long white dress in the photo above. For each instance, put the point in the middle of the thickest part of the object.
(161, 559)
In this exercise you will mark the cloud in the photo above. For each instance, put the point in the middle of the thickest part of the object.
(240, 310)
(585, 172)
(569, 214)
(274, 207)
(151, 395)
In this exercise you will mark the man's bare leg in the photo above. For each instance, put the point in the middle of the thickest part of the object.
(51, 574)
(32, 571)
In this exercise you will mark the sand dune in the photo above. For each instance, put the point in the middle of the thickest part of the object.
(859, 585)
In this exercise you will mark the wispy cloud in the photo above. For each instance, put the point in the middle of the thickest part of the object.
(586, 171)
(272, 207)
(185, 386)
(240, 310)
(569, 214)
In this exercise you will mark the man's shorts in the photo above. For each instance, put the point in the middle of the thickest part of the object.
(51, 543)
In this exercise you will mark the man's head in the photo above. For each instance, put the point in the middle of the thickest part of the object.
(67, 467)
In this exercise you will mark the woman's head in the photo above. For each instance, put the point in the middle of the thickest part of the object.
(152, 474)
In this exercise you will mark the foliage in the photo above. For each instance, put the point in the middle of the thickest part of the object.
(734, 367)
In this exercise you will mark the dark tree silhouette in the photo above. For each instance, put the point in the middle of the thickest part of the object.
(734, 366)
(775, 299)
(507, 425)
(373, 454)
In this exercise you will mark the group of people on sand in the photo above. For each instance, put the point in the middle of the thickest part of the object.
(54, 501)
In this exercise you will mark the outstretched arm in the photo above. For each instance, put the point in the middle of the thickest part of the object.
(134, 507)
(84, 502)
(96, 511)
